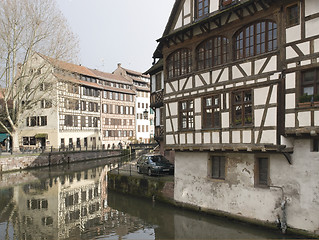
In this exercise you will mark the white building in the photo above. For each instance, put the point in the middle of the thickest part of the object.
(144, 115)
(241, 112)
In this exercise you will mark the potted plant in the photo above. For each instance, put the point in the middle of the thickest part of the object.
(305, 100)
(316, 100)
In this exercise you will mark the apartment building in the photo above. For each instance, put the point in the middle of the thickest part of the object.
(79, 108)
(144, 115)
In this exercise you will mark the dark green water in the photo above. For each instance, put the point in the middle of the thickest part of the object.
(72, 202)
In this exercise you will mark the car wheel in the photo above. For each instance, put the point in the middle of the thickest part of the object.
(149, 172)
(138, 170)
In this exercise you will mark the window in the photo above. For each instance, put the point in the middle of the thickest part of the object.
(158, 80)
(255, 39)
(218, 167)
(292, 15)
(211, 112)
(46, 103)
(201, 8)
(242, 108)
(179, 63)
(315, 145)
(262, 168)
(225, 3)
(212, 52)
(310, 86)
(186, 115)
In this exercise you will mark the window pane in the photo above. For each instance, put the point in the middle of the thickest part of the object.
(263, 171)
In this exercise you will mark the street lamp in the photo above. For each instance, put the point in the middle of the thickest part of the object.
(145, 114)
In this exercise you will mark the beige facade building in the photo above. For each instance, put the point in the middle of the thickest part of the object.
(80, 108)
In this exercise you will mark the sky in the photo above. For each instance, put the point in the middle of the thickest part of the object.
(120, 31)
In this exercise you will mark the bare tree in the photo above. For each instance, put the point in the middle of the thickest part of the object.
(29, 27)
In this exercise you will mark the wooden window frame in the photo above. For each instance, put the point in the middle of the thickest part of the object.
(312, 84)
(258, 182)
(179, 63)
(241, 105)
(212, 52)
(218, 162)
(187, 115)
(289, 22)
(214, 108)
(253, 40)
(158, 83)
(201, 8)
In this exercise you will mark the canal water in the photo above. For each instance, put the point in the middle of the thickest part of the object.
(72, 202)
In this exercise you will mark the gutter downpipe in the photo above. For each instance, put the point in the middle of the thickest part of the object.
(283, 220)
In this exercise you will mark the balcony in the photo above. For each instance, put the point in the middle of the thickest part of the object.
(157, 99)
(159, 133)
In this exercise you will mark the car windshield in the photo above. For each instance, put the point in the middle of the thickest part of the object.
(158, 159)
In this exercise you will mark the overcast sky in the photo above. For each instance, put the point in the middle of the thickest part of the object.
(112, 32)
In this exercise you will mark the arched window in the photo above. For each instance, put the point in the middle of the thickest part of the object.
(212, 52)
(179, 63)
(255, 39)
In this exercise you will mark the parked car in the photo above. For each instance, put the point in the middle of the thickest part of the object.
(154, 164)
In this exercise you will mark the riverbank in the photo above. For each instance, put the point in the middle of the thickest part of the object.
(15, 162)
(162, 189)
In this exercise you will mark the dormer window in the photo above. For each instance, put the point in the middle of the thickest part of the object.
(201, 8)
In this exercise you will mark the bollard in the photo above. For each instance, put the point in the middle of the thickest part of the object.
(51, 148)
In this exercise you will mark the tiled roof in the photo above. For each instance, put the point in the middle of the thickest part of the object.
(110, 76)
(69, 78)
(70, 67)
(136, 73)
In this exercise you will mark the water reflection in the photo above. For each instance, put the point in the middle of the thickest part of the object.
(72, 202)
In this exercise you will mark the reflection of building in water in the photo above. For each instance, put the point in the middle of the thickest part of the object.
(53, 208)
(70, 205)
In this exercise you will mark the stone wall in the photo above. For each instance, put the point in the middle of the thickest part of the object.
(149, 187)
(18, 162)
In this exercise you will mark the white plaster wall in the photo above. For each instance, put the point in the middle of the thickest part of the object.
(225, 120)
(236, 136)
(290, 53)
(311, 7)
(260, 96)
(304, 119)
(179, 22)
(216, 137)
(316, 118)
(238, 195)
(214, 6)
(198, 138)
(290, 120)
(174, 109)
(207, 137)
(291, 80)
(290, 101)
(293, 34)
(169, 139)
(312, 27)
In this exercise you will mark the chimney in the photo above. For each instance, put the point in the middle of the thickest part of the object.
(119, 65)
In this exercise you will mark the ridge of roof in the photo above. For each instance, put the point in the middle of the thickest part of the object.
(136, 73)
(110, 76)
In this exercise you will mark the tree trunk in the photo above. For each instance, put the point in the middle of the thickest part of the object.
(15, 141)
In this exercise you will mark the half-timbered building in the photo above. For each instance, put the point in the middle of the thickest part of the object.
(80, 108)
(144, 115)
(241, 112)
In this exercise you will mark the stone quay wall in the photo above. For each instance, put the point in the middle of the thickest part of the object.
(149, 187)
(24, 161)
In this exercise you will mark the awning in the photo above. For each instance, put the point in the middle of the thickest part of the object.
(3, 136)
(41, 135)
